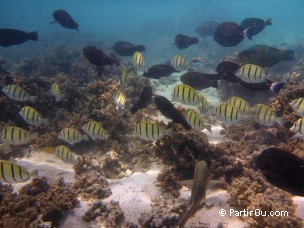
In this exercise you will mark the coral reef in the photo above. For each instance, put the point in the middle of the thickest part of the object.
(169, 182)
(110, 215)
(33, 199)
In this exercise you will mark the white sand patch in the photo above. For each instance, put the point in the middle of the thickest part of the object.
(299, 202)
(219, 199)
(134, 193)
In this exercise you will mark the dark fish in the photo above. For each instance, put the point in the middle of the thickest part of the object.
(199, 80)
(96, 56)
(275, 87)
(228, 34)
(99, 59)
(206, 28)
(254, 26)
(158, 71)
(265, 56)
(282, 169)
(64, 19)
(182, 41)
(227, 70)
(168, 110)
(143, 100)
(124, 48)
(10, 37)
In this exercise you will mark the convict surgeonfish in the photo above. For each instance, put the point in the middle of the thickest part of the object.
(124, 76)
(198, 191)
(251, 73)
(138, 61)
(282, 169)
(17, 136)
(186, 94)
(150, 131)
(203, 103)
(56, 91)
(298, 106)
(72, 136)
(228, 114)
(168, 110)
(298, 128)
(239, 103)
(65, 154)
(182, 41)
(12, 173)
(17, 93)
(195, 120)
(10, 37)
(63, 18)
(263, 114)
(124, 48)
(179, 63)
(95, 130)
(32, 116)
(119, 99)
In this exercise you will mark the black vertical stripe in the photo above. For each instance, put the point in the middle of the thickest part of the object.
(146, 125)
(12, 134)
(2, 172)
(15, 88)
(183, 94)
(20, 136)
(13, 172)
(153, 136)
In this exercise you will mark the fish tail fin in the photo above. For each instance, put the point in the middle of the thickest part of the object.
(208, 127)
(5, 147)
(33, 98)
(34, 136)
(281, 121)
(34, 173)
(268, 22)
(33, 36)
(45, 121)
(169, 132)
(86, 137)
(276, 87)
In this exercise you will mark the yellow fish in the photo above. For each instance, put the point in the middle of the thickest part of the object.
(32, 116)
(228, 114)
(186, 94)
(138, 61)
(195, 120)
(11, 173)
(251, 73)
(179, 63)
(119, 99)
(72, 136)
(95, 130)
(239, 103)
(263, 114)
(150, 131)
(17, 136)
(203, 103)
(65, 154)
(17, 93)
(56, 91)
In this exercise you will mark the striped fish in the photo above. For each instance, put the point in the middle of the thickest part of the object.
(186, 94)
(17, 136)
(56, 91)
(15, 92)
(150, 131)
(251, 73)
(32, 116)
(65, 154)
(239, 103)
(179, 63)
(11, 173)
(124, 77)
(72, 136)
(298, 106)
(138, 61)
(119, 99)
(203, 103)
(228, 114)
(195, 120)
(95, 130)
(263, 114)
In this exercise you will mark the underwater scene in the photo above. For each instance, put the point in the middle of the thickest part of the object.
(151, 113)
